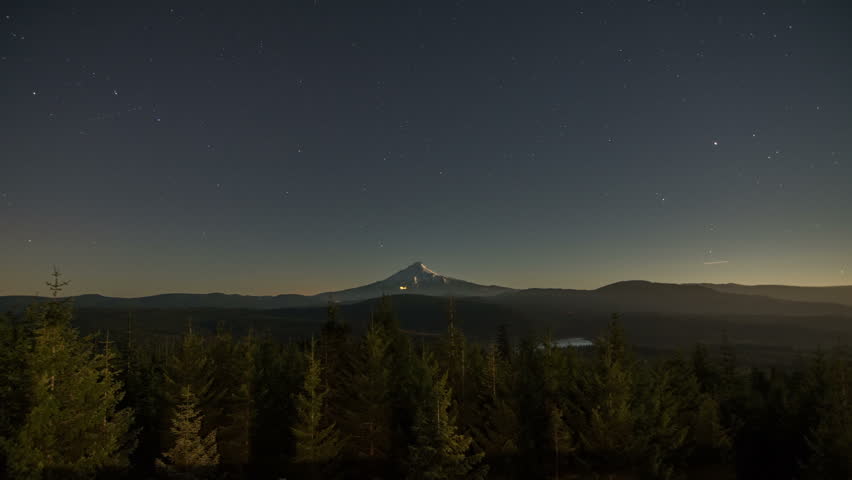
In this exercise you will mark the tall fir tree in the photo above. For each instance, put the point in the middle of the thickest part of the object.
(14, 382)
(74, 426)
(830, 440)
(561, 440)
(188, 365)
(497, 426)
(438, 451)
(143, 381)
(279, 373)
(318, 442)
(333, 349)
(192, 454)
(706, 372)
(368, 416)
(707, 441)
(234, 370)
(454, 361)
(662, 429)
(504, 343)
(384, 316)
(605, 415)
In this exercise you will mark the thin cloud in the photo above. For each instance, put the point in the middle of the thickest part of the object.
(717, 262)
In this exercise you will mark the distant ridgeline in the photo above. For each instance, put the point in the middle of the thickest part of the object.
(655, 314)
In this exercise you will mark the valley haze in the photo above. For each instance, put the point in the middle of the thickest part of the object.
(418, 279)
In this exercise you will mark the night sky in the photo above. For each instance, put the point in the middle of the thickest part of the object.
(317, 145)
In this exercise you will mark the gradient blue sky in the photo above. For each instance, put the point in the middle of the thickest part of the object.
(312, 146)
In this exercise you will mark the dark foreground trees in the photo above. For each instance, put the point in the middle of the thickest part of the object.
(317, 440)
(74, 424)
(192, 455)
(439, 451)
(386, 405)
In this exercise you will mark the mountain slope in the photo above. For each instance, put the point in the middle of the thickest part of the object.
(171, 300)
(841, 295)
(416, 279)
(642, 296)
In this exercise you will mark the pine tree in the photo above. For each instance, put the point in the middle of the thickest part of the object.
(318, 442)
(606, 411)
(830, 440)
(497, 426)
(74, 426)
(333, 350)
(661, 426)
(497, 433)
(384, 315)
(454, 360)
(142, 380)
(192, 455)
(369, 414)
(532, 398)
(706, 372)
(279, 372)
(234, 364)
(709, 439)
(189, 366)
(561, 440)
(333, 342)
(408, 383)
(14, 343)
(504, 343)
(439, 452)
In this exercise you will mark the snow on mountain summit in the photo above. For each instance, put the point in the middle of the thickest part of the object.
(418, 279)
(414, 275)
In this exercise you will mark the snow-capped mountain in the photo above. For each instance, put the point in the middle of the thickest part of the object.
(417, 279)
(416, 275)
(414, 279)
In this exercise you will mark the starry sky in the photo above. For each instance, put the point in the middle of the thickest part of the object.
(313, 145)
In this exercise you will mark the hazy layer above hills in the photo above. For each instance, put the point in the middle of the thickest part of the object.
(648, 297)
(417, 279)
(768, 337)
(841, 294)
(414, 279)
(769, 321)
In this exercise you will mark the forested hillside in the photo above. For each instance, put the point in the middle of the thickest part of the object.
(384, 404)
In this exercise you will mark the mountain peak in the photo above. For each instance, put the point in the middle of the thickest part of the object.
(414, 272)
(419, 267)
(419, 279)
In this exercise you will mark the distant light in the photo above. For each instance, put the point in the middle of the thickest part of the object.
(403, 287)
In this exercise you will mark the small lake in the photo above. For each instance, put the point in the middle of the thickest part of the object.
(576, 342)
